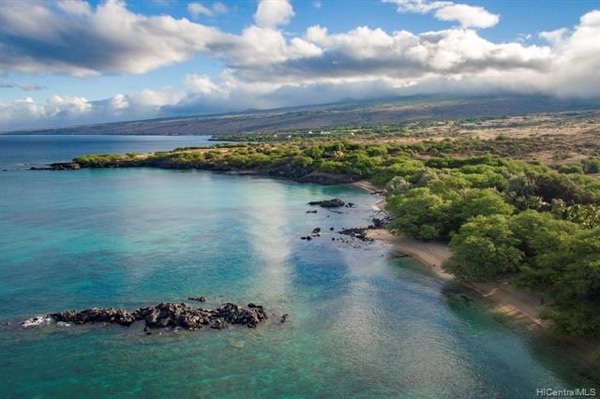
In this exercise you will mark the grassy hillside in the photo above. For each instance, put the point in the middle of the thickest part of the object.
(327, 116)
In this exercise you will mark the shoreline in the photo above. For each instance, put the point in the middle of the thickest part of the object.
(517, 303)
(367, 186)
(520, 305)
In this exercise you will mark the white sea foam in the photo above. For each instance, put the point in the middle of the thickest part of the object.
(36, 321)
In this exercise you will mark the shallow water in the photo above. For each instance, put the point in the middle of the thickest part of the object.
(363, 323)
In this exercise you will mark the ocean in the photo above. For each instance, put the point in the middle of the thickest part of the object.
(364, 323)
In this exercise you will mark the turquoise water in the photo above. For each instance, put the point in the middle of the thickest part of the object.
(23, 152)
(363, 323)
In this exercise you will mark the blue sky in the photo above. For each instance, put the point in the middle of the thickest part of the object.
(69, 62)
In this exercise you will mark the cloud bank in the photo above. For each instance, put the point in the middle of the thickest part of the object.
(264, 67)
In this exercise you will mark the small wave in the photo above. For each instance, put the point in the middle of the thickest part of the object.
(36, 321)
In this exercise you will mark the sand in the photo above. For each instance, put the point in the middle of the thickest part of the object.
(367, 185)
(521, 304)
(430, 254)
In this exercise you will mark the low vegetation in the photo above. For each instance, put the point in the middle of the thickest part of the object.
(504, 214)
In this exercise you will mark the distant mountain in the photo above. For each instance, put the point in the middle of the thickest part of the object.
(382, 111)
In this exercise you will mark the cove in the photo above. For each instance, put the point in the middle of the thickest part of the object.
(363, 323)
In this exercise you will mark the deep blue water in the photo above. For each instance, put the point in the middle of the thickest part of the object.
(23, 152)
(364, 324)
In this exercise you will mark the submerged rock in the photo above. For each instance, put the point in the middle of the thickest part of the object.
(356, 232)
(198, 299)
(59, 166)
(332, 203)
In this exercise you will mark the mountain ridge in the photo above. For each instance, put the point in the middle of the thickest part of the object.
(349, 113)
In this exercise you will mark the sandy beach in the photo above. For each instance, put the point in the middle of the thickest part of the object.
(508, 299)
(367, 185)
(430, 254)
(521, 304)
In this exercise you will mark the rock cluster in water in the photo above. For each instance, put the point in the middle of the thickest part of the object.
(170, 315)
(356, 232)
(59, 166)
(332, 203)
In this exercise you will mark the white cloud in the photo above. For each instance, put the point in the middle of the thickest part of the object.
(29, 86)
(59, 104)
(417, 6)
(219, 8)
(200, 84)
(263, 67)
(35, 37)
(555, 37)
(272, 13)
(76, 7)
(197, 9)
(524, 37)
(23, 86)
(118, 102)
(468, 16)
(27, 113)
(155, 99)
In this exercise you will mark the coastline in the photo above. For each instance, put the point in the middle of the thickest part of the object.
(520, 305)
(517, 303)
(429, 254)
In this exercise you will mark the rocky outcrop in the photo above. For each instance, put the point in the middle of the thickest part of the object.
(96, 315)
(356, 232)
(59, 166)
(170, 315)
(332, 203)
(65, 166)
(379, 223)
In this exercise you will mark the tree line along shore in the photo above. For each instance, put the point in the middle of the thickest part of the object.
(504, 215)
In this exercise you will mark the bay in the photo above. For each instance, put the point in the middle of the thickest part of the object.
(363, 323)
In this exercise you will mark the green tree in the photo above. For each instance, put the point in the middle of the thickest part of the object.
(417, 213)
(484, 249)
(576, 289)
(474, 203)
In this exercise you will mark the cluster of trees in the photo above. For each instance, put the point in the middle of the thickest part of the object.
(503, 218)
(509, 219)
(538, 251)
